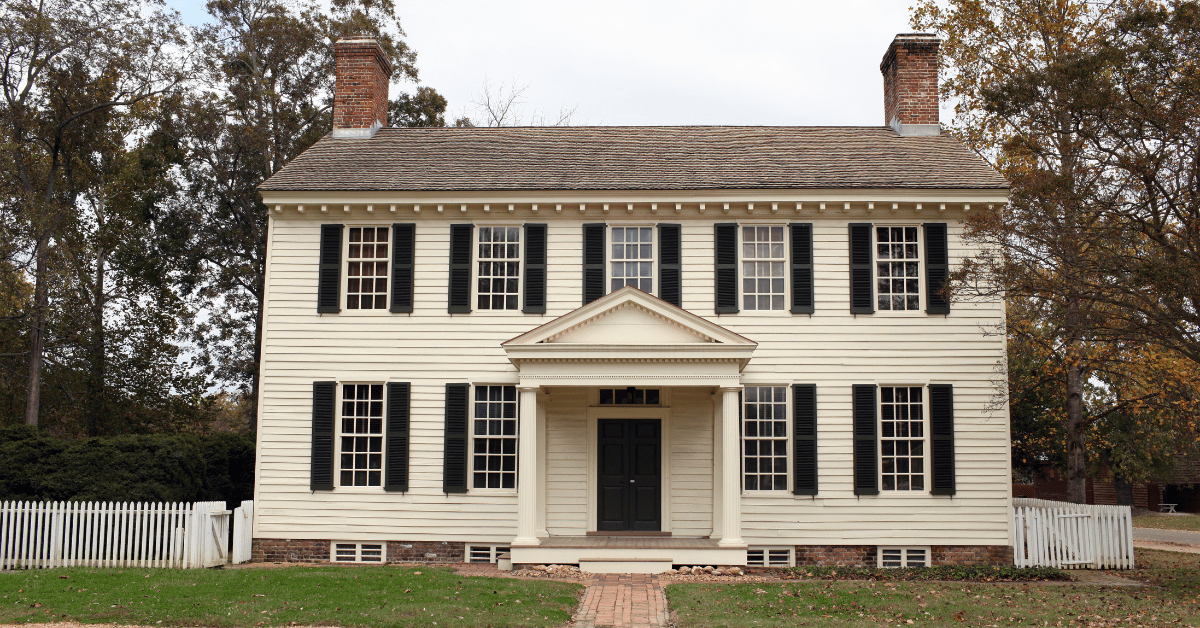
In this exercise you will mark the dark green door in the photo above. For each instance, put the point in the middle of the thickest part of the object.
(630, 454)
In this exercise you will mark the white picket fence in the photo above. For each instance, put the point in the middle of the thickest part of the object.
(243, 532)
(1071, 536)
(43, 535)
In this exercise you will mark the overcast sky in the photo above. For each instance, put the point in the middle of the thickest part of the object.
(657, 62)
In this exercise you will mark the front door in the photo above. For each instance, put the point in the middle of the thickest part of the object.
(630, 454)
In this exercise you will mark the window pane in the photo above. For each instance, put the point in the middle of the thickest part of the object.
(902, 416)
(361, 443)
(498, 268)
(495, 435)
(765, 435)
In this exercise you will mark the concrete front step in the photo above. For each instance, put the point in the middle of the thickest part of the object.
(624, 565)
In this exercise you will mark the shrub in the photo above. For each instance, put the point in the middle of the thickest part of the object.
(966, 573)
(143, 468)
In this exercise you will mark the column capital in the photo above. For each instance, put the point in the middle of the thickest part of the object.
(728, 389)
(528, 388)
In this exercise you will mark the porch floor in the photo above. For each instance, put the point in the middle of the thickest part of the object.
(628, 542)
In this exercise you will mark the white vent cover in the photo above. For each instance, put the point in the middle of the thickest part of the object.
(769, 557)
(484, 553)
(357, 552)
(897, 557)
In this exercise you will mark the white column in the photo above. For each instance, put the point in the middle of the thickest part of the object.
(731, 471)
(527, 468)
(718, 507)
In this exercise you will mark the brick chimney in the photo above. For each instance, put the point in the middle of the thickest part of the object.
(360, 92)
(910, 84)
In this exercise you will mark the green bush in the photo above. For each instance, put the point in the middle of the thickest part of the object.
(965, 573)
(142, 468)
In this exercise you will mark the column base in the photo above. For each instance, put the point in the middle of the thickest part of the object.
(528, 541)
(731, 543)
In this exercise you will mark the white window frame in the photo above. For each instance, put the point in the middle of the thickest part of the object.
(787, 438)
(654, 254)
(338, 434)
(471, 443)
(925, 472)
(787, 260)
(358, 548)
(904, 555)
(921, 300)
(475, 266)
(343, 288)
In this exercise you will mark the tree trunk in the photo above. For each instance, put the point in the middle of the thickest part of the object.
(1124, 489)
(97, 410)
(33, 399)
(1076, 437)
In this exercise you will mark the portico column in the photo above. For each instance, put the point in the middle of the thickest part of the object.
(731, 471)
(527, 468)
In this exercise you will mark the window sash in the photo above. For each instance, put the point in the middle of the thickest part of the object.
(631, 262)
(368, 267)
(903, 438)
(360, 422)
(494, 433)
(896, 267)
(766, 438)
(764, 267)
(497, 267)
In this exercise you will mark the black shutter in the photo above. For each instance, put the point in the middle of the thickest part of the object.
(802, 267)
(535, 269)
(866, 454)
(395, 452)
(459, 299)
(593, 262)
(454, 465)
(937, 267)
(862, 299)
(329, 273)
(670, 255)
(804, 439)
(403, 243)
(941, 437)
(726, 258)
(321, 462)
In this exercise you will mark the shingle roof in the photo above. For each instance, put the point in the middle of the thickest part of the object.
(634, 158)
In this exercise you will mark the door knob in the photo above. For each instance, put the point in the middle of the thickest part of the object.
(631, 481)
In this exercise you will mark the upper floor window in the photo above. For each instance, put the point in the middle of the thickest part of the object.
(367, 268)
(495, 437)
(897, 268)
(765, 438)
(763, 268)
(902, 437)
(631, 262)
(498, 270)
(361, 435)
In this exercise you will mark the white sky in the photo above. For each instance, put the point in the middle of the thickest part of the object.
(657, 62)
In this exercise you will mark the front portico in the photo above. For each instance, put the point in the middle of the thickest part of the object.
(621, 455)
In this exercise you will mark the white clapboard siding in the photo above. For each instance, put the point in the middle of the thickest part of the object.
(43, 535)
(429, 348)
(1071, 536)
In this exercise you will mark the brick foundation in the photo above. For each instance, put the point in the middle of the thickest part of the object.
(865, 556)
(310, 551)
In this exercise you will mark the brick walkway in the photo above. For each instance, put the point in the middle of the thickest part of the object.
(622, 601)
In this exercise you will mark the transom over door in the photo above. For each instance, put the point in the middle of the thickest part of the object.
(630, 474)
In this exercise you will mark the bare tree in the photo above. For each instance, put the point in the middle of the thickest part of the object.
(502, 105)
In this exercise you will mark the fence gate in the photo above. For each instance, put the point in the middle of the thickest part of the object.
(243, 532)
(1071, 536)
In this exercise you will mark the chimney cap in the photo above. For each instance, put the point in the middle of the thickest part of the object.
(929, 37)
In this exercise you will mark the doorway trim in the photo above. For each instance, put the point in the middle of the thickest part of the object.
(593, 460)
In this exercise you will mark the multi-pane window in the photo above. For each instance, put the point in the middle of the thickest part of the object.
(632, 259)
(362, 434)
(499, 268)
(897, 266)
(367, 269)
(763, 286)
(902, 437)
(629, 396)
(495, 437)
(764, 438)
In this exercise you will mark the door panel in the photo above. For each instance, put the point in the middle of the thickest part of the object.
(630, 474)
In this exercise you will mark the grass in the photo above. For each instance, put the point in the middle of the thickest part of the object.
(1174, 599)
(1190, 523)
(327, 596)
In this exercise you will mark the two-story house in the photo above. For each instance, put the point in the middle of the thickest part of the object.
(630, 347)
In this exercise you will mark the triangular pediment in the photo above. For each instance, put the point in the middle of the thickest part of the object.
(632, 318)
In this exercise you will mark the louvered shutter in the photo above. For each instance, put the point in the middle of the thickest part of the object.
(802, 267)
(459, 298)
(866, 449)
(862, 299)
(937, 267)
(535, 269)
(329, 272)
(593, 262)
(454, 464)
(403, 245)
(670, 254)
(395, 453)
(321, 461)
(941, 438)
(726, 257)
(804, 439)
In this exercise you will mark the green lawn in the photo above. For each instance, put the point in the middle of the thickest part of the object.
(332, 596)
(1174, 600)
(1168, 522)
